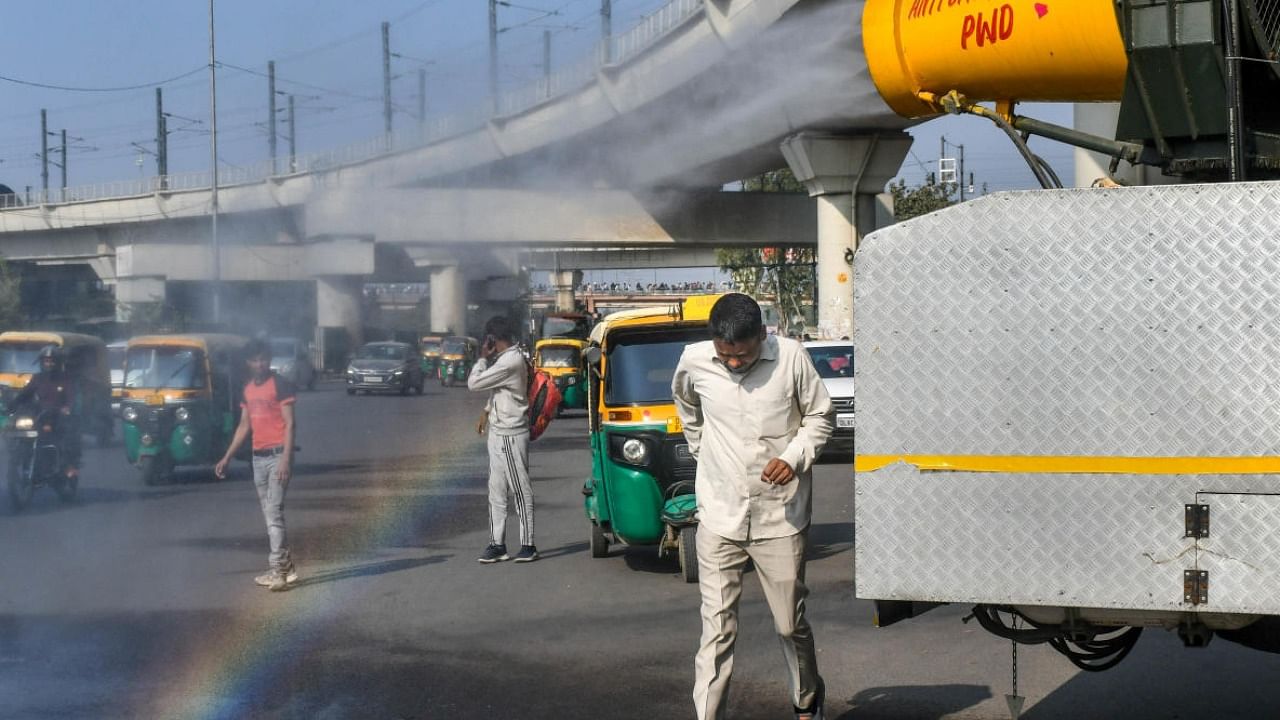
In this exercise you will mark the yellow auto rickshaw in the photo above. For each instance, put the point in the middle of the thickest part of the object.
(84, 360)
(561, 358)
(457, 355)
(181, 400)
(641, 488)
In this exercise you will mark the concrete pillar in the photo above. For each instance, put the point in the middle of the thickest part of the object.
(339, 317)
(137, 290)
(565, 282)
(844, 173)
(448, 300)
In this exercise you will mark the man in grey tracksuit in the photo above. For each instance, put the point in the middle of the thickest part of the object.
(503, 372)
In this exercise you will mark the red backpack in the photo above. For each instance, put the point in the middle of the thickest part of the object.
(544, 401)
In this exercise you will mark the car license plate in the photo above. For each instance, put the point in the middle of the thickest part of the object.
(844, 421)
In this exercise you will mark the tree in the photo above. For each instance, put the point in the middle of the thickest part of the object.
(781, 274)
(11, 315)
(920, 200)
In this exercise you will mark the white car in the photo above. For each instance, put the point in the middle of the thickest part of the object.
(834, 361)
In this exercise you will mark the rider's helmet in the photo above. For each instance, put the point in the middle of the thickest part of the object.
(52, 353)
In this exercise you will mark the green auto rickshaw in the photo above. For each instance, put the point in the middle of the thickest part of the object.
(181, 400)
(561, 358)
(457, 355)
(429, 348)
(641, 488)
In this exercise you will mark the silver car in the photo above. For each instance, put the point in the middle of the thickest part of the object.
(834, 361)
(291, 360)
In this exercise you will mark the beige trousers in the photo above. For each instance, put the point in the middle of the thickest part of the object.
(780, 566)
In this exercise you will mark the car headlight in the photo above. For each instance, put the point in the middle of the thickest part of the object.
(398, 372)
(24, 423)
(129, 413)
(351, 371)
(181, 414)
(635, 451)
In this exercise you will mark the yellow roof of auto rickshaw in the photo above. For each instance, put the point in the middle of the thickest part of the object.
(694, 309)
(575, 342)
(204, 341)
(61, 339)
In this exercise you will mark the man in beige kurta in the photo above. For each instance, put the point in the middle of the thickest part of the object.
(755, 415)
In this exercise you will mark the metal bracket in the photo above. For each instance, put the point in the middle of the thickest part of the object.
(1197, 521)
(1195, 587)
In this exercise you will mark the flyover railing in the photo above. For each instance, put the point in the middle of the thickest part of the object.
(568, 79)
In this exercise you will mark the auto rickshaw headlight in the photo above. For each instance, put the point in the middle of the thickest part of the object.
(147, 440)
(573, 380)
(129, 413)
(635, 451)
(24, 423)
(181, 414)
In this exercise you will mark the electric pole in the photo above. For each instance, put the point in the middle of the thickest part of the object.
(44, 153)
(271, 113)
(386, 77)
(606, 29)
(546, 63)
(293, 140)
(422, 96)
(64, 163)
(213, 156)
(493, 54)
(162, 140)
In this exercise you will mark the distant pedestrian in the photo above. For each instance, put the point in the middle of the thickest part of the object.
(504, 373)
(266, 410)
(755, 415)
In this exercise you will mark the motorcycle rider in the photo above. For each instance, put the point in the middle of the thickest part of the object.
(51, 390)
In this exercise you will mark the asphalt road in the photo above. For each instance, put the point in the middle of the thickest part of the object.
(137, 602)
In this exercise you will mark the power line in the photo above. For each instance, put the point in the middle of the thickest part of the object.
(122, 88)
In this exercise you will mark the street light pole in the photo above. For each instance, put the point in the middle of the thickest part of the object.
(213, 153)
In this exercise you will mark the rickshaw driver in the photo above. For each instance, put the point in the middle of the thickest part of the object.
(50, 390)
(756, 414)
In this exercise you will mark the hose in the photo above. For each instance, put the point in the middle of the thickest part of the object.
(1102, 651)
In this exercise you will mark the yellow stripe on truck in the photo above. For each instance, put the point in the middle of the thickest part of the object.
(1081, 464)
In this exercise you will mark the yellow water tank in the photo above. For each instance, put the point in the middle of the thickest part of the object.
(1019, 50)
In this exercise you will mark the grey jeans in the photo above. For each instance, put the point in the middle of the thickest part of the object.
(271, 495)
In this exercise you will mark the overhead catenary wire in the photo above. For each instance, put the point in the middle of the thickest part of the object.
(123, 88)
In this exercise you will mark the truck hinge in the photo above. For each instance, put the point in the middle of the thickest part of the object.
(1195, 587)
(1197, 521)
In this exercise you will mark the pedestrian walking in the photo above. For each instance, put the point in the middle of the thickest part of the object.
(266, 410)
(755, 416)
(503, 372)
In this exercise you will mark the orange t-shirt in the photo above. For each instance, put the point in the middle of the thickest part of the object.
(263, 402)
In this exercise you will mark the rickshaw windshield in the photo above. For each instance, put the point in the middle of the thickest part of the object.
(833, 362)
(382, 352)
(452, 347)
(558, 357)
(641, 364)
(20, 357)
(431, 347)
(164, 367)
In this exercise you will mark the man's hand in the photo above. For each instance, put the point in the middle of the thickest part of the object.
(220, 470)
(483, 423)
(284, 471)
(778, 472)
(489, 347)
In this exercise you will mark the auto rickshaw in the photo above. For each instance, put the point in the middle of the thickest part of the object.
(641, 488)
(429, 346)
(561, 358)
(181, 400)
(457, 355)
(85, 362)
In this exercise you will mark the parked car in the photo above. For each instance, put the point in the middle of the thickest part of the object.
(115, 363)
(381, 366)
(291, 360)
(834, 361)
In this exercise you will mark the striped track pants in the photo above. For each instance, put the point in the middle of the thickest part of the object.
(509, 475)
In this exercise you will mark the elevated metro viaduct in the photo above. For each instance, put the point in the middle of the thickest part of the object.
(632, 157)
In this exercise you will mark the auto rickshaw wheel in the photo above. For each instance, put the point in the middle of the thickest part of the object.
(20, 486)
(150, 469)
(689, 553)
(599, 542)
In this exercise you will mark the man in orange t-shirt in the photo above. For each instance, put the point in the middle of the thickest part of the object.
(266, 409)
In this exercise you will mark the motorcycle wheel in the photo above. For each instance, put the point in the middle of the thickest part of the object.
(20, 486)
(689, 553)
(66, 488)
(149, 468)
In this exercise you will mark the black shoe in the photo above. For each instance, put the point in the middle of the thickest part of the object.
(528, 553)
(815, 711)
(493, 554)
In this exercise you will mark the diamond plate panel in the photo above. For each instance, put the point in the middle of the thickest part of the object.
(1136, 321)
(1242, 553)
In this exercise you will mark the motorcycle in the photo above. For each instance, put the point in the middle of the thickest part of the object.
(36, 458)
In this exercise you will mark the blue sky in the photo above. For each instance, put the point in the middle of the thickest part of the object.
(328, 54)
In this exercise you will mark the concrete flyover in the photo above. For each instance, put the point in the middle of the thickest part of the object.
(623, 155)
